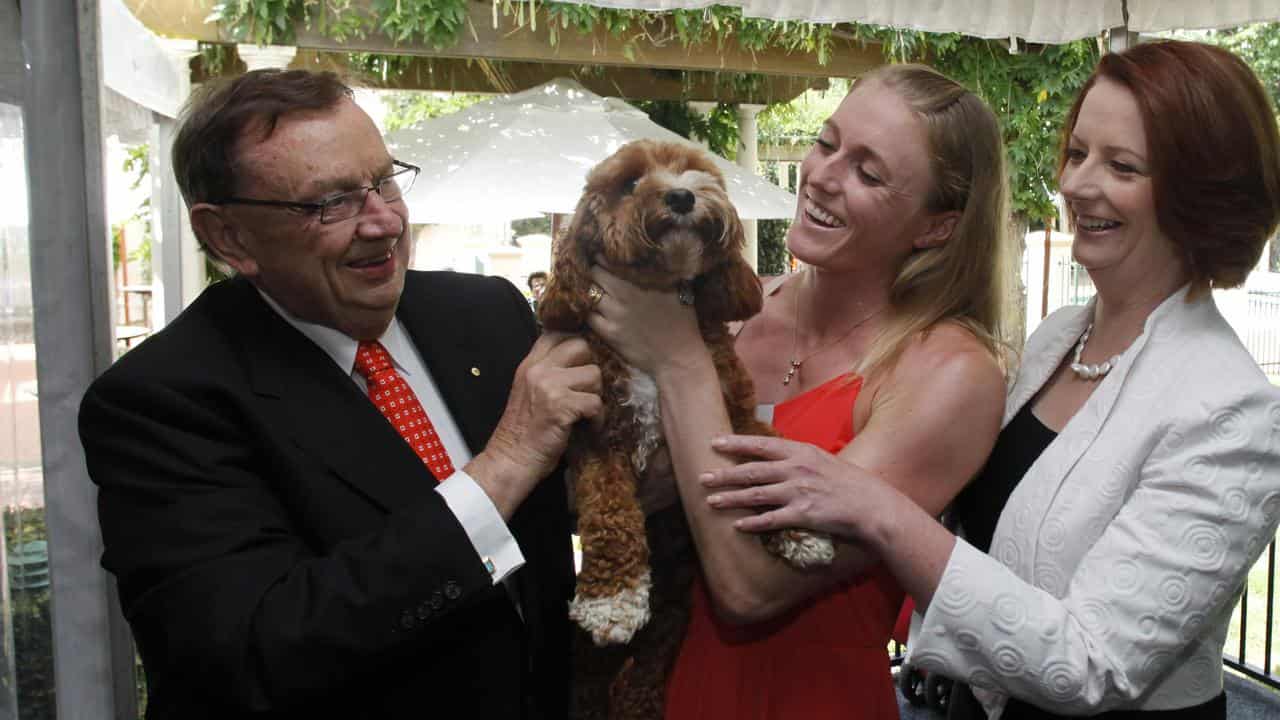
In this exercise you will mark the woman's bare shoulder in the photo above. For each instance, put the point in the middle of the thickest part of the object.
(950, 358)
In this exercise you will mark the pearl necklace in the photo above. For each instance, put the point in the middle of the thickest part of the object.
(1086, 371)
(795, 362)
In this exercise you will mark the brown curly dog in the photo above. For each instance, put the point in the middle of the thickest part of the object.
(657, 213)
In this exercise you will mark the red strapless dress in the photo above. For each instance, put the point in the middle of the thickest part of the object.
(827, 658)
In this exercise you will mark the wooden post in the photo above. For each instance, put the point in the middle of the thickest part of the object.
(122, 251)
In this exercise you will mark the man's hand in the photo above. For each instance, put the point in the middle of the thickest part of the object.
(555, 386)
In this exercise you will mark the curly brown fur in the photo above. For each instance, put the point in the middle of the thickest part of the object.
(659, 215)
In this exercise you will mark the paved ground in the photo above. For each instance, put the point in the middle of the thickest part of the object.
(1246, 700)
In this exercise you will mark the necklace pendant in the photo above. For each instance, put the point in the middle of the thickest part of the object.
(791, 372)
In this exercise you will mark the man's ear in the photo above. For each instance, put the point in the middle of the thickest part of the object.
(939, 230)
(223, 237)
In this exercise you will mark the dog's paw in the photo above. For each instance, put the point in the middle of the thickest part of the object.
(613, 619)
(802, 548)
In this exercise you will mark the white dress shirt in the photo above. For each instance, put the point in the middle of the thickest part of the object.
(489, 535)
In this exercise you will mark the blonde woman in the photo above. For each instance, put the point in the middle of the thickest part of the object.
(872, 352)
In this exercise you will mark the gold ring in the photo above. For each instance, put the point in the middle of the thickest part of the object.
(595, 294)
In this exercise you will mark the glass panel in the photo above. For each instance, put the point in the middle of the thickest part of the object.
(26, 659)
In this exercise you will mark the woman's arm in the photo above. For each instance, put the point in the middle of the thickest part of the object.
(792, 484)
(1160, 578)
(936, 417)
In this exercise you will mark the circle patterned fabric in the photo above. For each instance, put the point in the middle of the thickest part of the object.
(397, 403)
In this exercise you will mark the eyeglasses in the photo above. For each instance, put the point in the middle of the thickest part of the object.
(344, 205)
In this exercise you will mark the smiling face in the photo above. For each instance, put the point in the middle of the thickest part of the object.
(347, 275)
(864, 184)
(1106, 182)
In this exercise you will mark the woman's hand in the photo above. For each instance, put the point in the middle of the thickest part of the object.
(650, 329)
(797, 485)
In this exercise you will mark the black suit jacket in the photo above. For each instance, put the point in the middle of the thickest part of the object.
(279, 549)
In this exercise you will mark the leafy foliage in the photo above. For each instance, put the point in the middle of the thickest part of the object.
(408, 109)
(530, 226)
(214, 58)
(1259, 46)
(797, 122)
(382, 67)
(1031, 92)
(30, 622)
(716, 24)
(772, 257)
(434, 22)
(137, 163)
(719, 129)
(266, 22)
(1030, 89)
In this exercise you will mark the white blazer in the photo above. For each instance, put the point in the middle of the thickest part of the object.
(1119, 556)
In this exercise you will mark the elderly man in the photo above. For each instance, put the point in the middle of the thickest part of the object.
(323, 487)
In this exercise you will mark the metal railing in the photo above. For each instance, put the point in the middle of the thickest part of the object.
(1262, 332)
(1246, 658)
(1075, 287)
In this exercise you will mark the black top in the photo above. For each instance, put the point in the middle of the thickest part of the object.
(978, 507)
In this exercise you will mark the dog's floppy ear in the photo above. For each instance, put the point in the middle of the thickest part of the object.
(729, 292)
(564, 304)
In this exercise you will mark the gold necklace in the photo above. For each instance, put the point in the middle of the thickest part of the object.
(795, 341)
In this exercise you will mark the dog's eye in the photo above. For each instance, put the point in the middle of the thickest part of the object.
(629, 186)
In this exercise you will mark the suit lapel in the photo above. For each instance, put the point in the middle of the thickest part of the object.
(1042, 359)
(323, 410)
(1035, 494)
(461, 366)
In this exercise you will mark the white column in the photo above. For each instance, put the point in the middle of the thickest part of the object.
(177, 263)
(747, 156)
(70, 277)
(262, 57)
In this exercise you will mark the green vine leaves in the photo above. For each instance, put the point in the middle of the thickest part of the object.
(1030, 89)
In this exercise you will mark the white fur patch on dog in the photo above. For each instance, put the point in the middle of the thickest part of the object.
(642, 398)
(805, 549)
(613, 620)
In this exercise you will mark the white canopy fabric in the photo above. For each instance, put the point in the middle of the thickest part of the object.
(525, 154)
(135, 64)
(1040, 21)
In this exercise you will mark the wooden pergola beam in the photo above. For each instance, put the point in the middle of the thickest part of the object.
(510, 42)
(632, 83)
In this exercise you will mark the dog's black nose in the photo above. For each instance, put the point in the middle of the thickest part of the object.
(680, 201)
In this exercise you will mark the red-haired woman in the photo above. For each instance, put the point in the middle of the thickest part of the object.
(1137, 477)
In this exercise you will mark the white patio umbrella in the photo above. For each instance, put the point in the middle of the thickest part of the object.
(1041, 21)
(528, 153)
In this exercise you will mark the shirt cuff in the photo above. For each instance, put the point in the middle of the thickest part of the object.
(483, 523)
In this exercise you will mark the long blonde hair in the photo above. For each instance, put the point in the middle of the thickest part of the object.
(962, 280)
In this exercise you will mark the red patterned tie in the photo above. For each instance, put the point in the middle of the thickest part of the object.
(397, 403)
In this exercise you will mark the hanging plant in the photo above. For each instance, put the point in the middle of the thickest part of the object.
(265, 22)
(437, 23)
